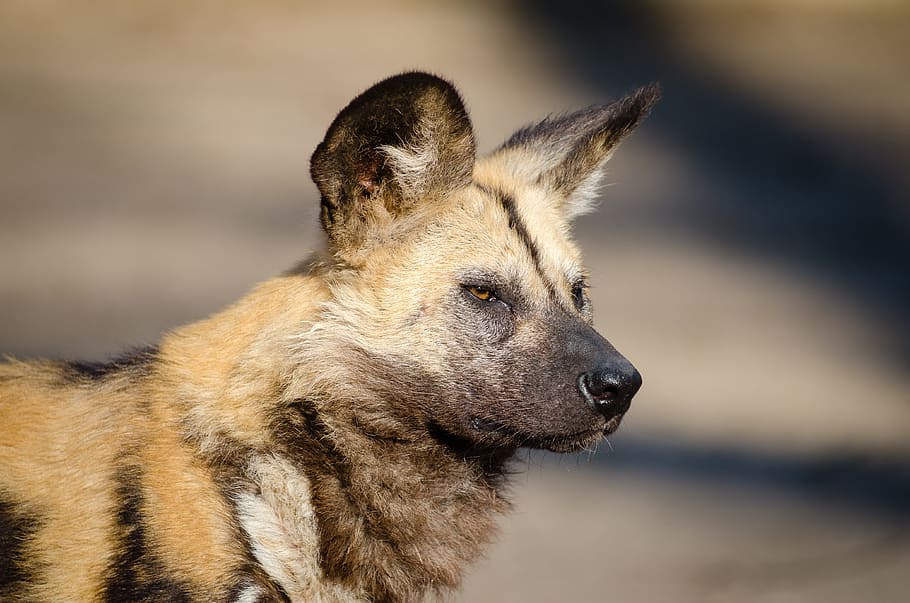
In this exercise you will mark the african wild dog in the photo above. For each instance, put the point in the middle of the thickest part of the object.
(343, 432)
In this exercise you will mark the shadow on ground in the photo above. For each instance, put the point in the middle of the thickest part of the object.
(861, 484)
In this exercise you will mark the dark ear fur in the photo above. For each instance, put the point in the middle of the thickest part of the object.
(406, 138)
(567, 153)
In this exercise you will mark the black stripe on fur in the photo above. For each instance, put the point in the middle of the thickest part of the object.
(138, 360)
(16, 529)
(136, 574)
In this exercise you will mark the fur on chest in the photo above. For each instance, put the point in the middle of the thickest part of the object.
(382, 525)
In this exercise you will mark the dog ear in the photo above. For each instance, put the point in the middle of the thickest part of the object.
(568, 153)
(403, 140)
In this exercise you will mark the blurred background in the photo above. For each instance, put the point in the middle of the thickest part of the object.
(751, 256)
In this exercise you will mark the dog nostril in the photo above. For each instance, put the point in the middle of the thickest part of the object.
(601, 388)
(609, 391)
(597, 386)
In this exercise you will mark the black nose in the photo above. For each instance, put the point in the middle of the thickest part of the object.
(609, 390)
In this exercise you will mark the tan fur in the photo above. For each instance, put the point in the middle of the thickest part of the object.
(343, 432)
(51, 437)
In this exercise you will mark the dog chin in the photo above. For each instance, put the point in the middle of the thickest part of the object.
(574, 442)
(552, 441)
(613, 424)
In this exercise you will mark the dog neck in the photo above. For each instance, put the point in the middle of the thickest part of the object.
(394, 516)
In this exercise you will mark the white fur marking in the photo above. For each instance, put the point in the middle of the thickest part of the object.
(584, 198)
(282, 530)
(250, 594)
(267, 537)
(413, 163)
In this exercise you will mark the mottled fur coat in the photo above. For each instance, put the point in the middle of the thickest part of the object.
(343, 432)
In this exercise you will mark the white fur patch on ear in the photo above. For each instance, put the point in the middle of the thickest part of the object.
(584, 199)
(415, 163)
(423, 164)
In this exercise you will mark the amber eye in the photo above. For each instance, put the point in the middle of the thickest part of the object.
(481, 293)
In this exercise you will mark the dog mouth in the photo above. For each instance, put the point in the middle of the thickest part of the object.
(552, 441)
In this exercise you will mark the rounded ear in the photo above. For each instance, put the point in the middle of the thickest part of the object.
(403, 142)
(568, 153)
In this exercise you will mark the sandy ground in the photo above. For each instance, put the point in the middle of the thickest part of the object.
(751, 256)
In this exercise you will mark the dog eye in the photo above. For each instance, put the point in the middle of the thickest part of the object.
(481, 293)
(578, 294)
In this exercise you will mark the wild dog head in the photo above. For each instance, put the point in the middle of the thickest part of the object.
(458, 297)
